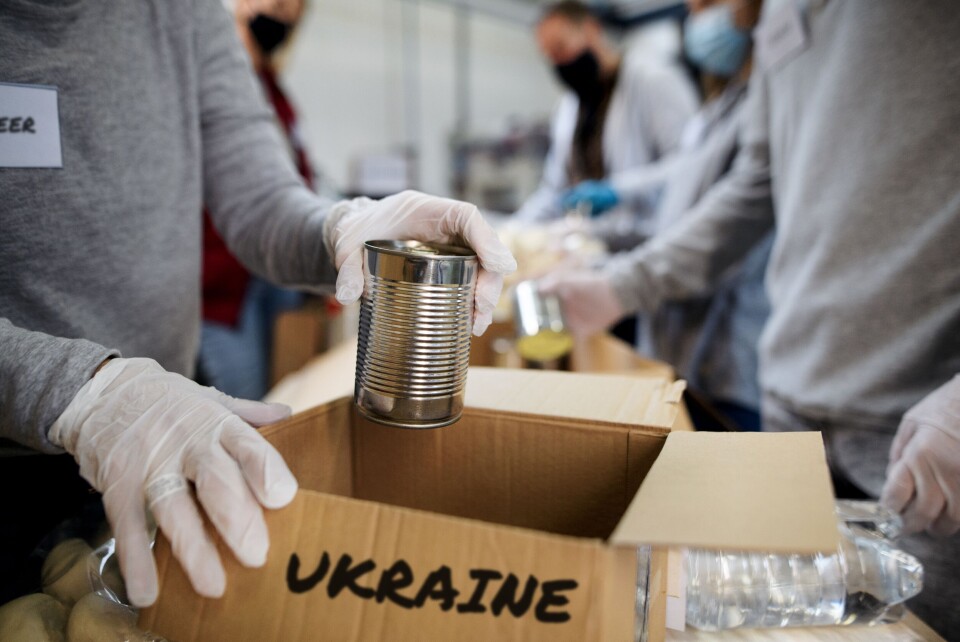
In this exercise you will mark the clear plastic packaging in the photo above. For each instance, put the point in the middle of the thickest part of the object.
(866, 581)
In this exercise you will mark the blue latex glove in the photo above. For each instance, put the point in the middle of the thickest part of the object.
(599, 194)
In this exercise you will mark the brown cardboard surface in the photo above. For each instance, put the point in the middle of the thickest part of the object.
(326, 377)
(598, 353)
(605, 353)
(317, 447)
(260, 605)
(648, 402)
(750, 491)
(297, 336)
(557, 476)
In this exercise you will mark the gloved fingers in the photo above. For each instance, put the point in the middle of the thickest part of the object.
(350, 277)
(899, 487)
(468, 224)
(229, 503)
(928, 501)
(553, 283)
(126, 515)
(177, 516)
(255, 413)
(948, 524)
(486, 295)
(906, 431)
(582, 325)
(263, 467)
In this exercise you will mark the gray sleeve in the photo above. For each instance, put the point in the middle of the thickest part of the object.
(691, 257)
(643, 182)
(258, 202)
(39, 376)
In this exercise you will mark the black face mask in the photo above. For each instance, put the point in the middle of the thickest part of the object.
(582, 75)
(268, 33)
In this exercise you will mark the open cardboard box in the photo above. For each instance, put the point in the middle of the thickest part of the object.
(520, 522)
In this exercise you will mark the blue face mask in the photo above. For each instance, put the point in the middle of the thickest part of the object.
(713, 43)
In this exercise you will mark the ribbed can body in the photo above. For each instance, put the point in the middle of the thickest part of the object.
(415, 322)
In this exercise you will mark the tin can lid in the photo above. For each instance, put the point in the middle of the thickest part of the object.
(439, 251)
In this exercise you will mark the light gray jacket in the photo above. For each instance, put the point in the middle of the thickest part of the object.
(853, 138)
(711, 340)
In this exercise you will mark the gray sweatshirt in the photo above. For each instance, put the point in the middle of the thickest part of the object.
(856, 139)
(712, 340)
(159, 113)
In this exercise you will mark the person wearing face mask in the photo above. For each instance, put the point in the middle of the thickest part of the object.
(239, 309)
(619, 112)
(848, 153)
(716, 40)
(710, 340)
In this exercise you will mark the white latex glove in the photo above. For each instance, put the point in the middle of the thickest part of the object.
(139, 433)
(587, 299)
(923, 478)
(418, 217)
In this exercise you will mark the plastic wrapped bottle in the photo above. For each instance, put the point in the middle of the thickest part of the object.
(865, 582)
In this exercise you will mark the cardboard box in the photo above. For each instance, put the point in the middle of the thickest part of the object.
(599, 353)
(520, 522)
(301, 334)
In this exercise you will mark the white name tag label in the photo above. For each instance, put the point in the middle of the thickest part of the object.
(29, 126)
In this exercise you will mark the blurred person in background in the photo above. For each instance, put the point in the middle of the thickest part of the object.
(100, 262)
(848, 149)
(618, 112)
(239, 309)
(711, 340)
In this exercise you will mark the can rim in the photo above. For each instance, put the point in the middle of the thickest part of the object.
(418, 249)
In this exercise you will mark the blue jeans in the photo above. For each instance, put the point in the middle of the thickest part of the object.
(236, 360)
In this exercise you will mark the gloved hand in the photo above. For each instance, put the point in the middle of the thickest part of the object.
(923, 477)
(587, 299)
(419, 217)
(600, 195)
(139, 433)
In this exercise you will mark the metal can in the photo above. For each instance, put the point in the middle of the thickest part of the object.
(541, 332)
(416, 316)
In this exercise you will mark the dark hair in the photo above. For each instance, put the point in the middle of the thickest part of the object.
(573, 10)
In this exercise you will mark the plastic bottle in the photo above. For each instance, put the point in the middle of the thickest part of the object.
(865, 582)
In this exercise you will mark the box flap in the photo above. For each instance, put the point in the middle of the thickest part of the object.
(619, 399)
(746, 491)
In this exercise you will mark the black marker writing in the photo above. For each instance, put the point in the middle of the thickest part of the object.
(398, 584)
(16, 125)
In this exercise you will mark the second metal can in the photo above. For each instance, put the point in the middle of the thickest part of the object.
(542, 334)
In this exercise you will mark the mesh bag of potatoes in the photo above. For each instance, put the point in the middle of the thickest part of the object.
(82, 601)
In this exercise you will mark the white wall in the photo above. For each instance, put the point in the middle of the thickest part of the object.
(346, 75)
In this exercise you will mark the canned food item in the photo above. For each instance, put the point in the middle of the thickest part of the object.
(541, 332)
(416, 316)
